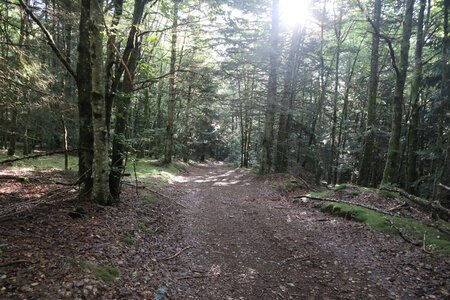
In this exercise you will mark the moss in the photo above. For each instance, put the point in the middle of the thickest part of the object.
(413, 228)
(319, 194)
(340, 187)
(355, 193)
(388, 194)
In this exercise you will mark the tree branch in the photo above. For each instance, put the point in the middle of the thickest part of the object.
(50, 40)
(384, 37)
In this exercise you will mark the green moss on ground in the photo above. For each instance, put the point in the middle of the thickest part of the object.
(340, 187)
(414, 228)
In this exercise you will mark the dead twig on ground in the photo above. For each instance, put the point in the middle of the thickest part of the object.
(178, 253)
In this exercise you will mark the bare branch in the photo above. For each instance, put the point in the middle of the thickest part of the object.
(50, 40)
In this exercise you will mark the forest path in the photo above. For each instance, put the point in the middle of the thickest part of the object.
(247, 242)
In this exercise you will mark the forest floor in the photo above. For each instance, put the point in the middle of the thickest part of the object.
(213, 232)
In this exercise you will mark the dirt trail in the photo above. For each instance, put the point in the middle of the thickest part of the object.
(248, 242)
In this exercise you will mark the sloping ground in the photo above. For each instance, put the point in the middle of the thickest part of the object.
(221, 234)
(249, 242)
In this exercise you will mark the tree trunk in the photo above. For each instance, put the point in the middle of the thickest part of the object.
(13, 131)
(442, 145)
(390, 169)
(100, 165)
(171, 104)
(84, 84)
(415, 95)
(286, 100)
(65, 141)
(131, 56)
(369, 136)
(266, 151)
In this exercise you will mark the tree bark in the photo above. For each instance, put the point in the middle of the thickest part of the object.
(84, 84)
(100, 165)
(168, 153)
(286, 100)
(390, 175)
(443, 107)
(131, 56)
(266, 151)
(365, 167)
(415, 96)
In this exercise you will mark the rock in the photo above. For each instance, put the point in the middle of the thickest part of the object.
(79, 284)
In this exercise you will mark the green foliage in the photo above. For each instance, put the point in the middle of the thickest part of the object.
(320, 194)
(143, 227)
(412, 227)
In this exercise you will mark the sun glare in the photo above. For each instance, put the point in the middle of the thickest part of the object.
(294, 12)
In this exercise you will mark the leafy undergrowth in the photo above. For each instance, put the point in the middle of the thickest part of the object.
(415, 229)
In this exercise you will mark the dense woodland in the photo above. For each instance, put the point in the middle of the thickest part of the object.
(346, 91)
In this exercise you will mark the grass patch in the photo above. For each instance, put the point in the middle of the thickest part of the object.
(147, 168)
(127, 239)
(105, 273)
(319, 194)
(414, 228)
(54, 162)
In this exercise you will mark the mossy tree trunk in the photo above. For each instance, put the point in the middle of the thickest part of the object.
(100, 165)
(266, 151)
(390, 173)
(411, 176)
(365, 168)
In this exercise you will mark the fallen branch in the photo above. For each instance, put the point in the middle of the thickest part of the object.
(346, 202)
(178, 253)
(36, 156)
(436, 207)
(14, 263)
(400, 232)
(193, 277)
(397, 206)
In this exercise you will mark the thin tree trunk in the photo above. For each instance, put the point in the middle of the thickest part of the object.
(415, 96)
(168, 153)
(286, 100)
(369, 136)
(66, 144)
(123, 102)
(84, 84)
(390, 169)
(266, 152)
